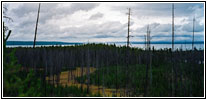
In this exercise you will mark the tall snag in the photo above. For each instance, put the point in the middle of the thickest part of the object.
(127, 55)
(172, 56)
(117, 64)
(36, 26)
(148, 62)
(34, 63)
(103, 70)
(97, 68)
(193, 33)
(88, 68)
(82, 65)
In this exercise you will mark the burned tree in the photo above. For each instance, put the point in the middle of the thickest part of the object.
(146, 86)
(36, 25)
(193, 33)
(88, 69)
(127, 54)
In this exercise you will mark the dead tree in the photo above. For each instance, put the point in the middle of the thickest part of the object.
(117, 64)
(193, 53)
(88, 69)
(68, 54)
(172, 58)
(150, 56)
(71, 66)
(82, 65)
(33, 54)
(127, 54)
(97, 68)
(148, 63)
(193, 33)
(5, 38)
(172, 27)
(45, 75)
(36, 26)
(145, 42)
(5, 28)
(103, 71)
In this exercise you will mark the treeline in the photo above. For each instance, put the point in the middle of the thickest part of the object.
(75, 56)
(81, 55)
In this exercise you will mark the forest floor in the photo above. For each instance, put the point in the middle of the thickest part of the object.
(68, 78)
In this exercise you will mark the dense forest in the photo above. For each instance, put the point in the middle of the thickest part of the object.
(128, 78)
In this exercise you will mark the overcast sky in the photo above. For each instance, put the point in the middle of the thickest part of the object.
(104, 22)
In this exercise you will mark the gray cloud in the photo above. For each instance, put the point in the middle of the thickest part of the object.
(25, 9)
(108, 28)
(162, 9)
(96, 16)
(189, 27)
(165, 31)
(103, 36)
(156, 28)
(53, 8)
(83, 6)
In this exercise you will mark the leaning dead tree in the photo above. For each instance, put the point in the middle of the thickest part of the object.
(33, 54)
(8, 34)
(36, 26)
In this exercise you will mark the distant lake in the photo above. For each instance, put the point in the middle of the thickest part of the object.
(176, 46)
(199, 46)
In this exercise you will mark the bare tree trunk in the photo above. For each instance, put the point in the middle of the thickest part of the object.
(97, 68)
(71, 67)
(172, 74)
(148, 62)
(88, 70)
(150, 68)
(172, 58)
(53, 80)
(117, 64)
(193, 33)
(146, 79)
(36, 26)
(82, 57)
(45, 69)
(103, 65)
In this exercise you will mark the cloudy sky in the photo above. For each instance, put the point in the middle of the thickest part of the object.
(104, 22)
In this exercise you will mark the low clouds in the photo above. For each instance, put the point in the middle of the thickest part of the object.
(104, 22)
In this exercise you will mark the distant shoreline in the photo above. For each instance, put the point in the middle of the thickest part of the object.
(78, 43)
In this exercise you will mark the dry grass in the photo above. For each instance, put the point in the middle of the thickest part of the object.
(71, 75)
